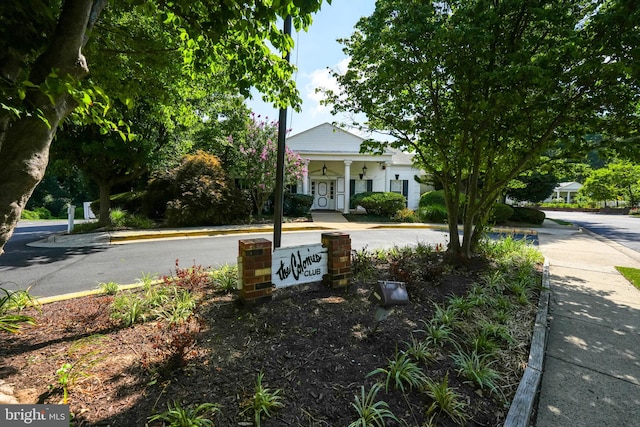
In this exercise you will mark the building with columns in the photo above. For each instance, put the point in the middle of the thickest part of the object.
(337, 169)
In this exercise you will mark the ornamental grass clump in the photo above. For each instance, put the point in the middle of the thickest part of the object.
(401, 372)
(371, 413)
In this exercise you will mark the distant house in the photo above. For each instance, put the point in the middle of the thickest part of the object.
(337, 169)
(565, 191)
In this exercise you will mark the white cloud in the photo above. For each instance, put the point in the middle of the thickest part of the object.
(321, 79)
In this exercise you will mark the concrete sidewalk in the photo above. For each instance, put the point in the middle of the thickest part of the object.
(592, 365)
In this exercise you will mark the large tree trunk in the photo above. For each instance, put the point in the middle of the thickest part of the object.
(25, 142)
(104, 216)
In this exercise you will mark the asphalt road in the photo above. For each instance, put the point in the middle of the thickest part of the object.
(54, 271)
(622, 229)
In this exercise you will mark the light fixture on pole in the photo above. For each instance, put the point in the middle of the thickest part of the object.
(324, 169)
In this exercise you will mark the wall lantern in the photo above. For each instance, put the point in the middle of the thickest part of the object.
(397, 176)
(364, 170)
(324, 169)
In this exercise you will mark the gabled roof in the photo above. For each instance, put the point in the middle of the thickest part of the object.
(326, 138)
(564, 186)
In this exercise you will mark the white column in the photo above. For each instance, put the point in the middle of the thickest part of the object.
(568, 196)
(347, 185)
(387, 176)
(305, 178)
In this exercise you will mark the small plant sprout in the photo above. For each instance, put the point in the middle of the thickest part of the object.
(70, 372)
(370, 412)
(419, 350)
(494, 280)
(109, 288)
(437, 334)
(225, 278)
(445, 400)
(445, 316)
(476, 368)
(363, 264)
(10, 302)
(401, 371)
(178, 308)
(460, 304)
(191, 416)
(264, 401)
(129, 309)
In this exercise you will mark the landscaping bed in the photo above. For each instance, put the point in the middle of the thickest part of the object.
(466, 330)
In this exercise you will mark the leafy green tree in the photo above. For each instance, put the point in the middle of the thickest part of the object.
(627, 180)
(258, 171)
(532, 186)
(618, 181)
(477, 90)
(599, 186)
(43, 65)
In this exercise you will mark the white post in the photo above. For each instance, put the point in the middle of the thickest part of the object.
(305, 177)
(347, 185)
(387, 176)
(71, 213)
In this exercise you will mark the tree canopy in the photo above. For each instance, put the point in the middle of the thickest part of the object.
(43, 65)
(479, 89)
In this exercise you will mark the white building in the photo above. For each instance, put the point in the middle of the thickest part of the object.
(337, 169)
(566, 191)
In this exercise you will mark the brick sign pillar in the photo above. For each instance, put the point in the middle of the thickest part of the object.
(254, 270)
(339, 265)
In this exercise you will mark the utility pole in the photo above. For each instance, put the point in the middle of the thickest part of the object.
(282, 131)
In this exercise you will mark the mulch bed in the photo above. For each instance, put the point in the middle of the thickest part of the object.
(315, 344)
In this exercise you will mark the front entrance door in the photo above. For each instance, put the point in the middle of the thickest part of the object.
(323, 195)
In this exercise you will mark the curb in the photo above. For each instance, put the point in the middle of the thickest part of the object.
(202, 233)
(73, 295)
(522, 405)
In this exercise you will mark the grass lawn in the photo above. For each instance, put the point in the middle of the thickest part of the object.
(631, 274)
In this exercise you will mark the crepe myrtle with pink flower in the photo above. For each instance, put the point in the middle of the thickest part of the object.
(259, 147)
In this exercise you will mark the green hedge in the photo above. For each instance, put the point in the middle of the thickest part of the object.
(433, 213)
(383, 204)
(500, 213)
(354, 201)
(297, 204)
(432, 198)
(527, 215)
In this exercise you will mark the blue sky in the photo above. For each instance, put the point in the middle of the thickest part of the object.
(315, 50)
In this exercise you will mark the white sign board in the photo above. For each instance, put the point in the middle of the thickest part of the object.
(297, 265)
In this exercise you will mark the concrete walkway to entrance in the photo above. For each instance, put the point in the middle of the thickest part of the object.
(592, 365)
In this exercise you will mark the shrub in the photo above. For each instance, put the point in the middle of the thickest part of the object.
(432, 198)
(433, 213)
(383, 204)
(204, 195)
(500, 213)
(297, 204)
(354, 200)
(30, 215)
(433, 207)
(44, 213)
(527, 215)
(158, 194)
(406, 215)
